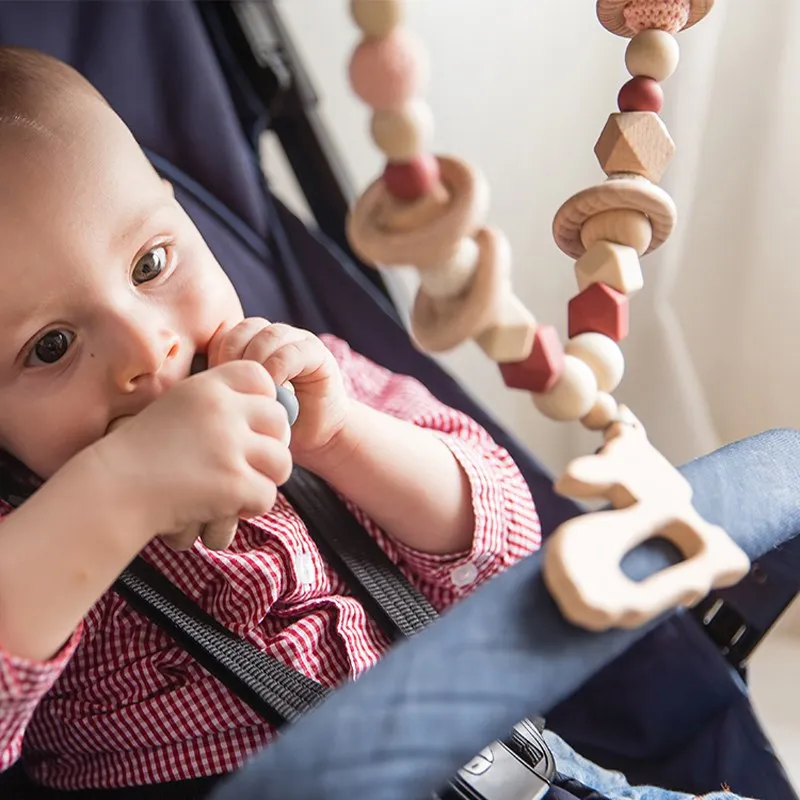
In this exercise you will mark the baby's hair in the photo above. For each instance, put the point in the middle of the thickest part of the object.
(29, 81)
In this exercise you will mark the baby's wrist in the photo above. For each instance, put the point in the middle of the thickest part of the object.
(339, 450)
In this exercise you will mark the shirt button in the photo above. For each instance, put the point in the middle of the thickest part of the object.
(304, 567)
(464, 575)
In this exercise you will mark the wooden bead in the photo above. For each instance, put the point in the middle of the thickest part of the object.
(621, 226)
(653, 54)
(440, 324)
(454, 275)
(641, 94)
(510, 337)
(413, 179)
(386, 73)
(431, 229)
(635, 143)
(602, 355)
(627, 17)
(377, 18)
(603, 413)
(621, 192)
(616, 265)
(538, 372)
(574, 394)
(405, 132)
(599, 309)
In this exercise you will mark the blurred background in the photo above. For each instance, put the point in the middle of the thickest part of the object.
(523, 89)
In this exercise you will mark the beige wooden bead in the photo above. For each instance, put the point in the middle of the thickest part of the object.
(635, 142)
(602, 355)
(376, 18)
(621, 226)
(653, 53)
(573, 396)
(510, 337)
(616, 265)
(603, 413)
(454, 275)
(403, 133)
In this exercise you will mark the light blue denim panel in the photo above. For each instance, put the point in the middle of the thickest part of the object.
(612, 784)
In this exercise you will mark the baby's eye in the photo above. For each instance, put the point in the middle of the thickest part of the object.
(150, 265)
(50, 348)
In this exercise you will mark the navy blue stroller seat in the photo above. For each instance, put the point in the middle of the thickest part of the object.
(182, 76)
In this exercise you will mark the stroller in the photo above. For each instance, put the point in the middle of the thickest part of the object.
(198, 83)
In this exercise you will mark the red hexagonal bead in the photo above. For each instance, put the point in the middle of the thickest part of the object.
(599, 309)
(542, 368)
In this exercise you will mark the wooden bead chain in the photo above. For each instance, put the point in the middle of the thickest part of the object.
(429, 212)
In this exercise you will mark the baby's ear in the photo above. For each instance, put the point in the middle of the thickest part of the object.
(169, 186)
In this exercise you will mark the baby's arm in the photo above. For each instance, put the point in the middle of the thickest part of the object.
(429, 476)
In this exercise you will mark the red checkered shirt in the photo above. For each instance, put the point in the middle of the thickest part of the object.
(121, 704)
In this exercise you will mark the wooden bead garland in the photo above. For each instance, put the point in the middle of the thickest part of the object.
(430, 212)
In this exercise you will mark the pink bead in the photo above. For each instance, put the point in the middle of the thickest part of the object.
(641, 94)
(413, 179)
(666, 15)
(387, 72)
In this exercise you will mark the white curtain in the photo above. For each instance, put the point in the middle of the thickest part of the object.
(523, 88)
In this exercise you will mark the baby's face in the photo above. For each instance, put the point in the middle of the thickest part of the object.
(108, 290)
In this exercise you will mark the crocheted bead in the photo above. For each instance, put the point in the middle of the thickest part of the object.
(641, 94)
(653, 54)
(413, 179)
(599, 309)
(666, 15)
(386, 73)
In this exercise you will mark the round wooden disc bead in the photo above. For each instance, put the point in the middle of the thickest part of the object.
(386, 73)
(376, 18)
(405, 132)
(652, 54)
(602, 355)
(573, 395)
(413, 179)
(620, 226)
(641, 94)
(603, 413)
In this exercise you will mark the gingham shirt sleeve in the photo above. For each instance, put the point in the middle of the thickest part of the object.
(23, 683)
(507, 525)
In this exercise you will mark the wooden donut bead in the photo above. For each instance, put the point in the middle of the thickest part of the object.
(653, 54)
(603, 413)
(386, 73)
(376, 18)
(602, 355)
(403, 133)
(574, 394)
(412, 179)
(454, 275)
(623, 226)
(641, 94)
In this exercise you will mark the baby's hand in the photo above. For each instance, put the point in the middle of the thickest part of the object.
(291, 354)
(212, 448)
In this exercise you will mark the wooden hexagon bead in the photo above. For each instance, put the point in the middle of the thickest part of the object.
(616, 265)
(377, 18)
(621, 226)
(387, 72)
(602, 355)
(405, 132)
(539, 372)
(635, 142)
(599, 309)
(574, 394)
(652, 54)
(510, 336)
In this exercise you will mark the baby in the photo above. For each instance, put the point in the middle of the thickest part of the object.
(110, 293)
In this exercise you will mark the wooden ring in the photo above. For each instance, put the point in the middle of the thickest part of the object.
(439, 232)
(626, 192)
(440, 324)
(611, 14)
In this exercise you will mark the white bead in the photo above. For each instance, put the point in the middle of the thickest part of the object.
(653, 54)
(377, 18)
(603, 413)
(602, 355)
(403, 133)
(452, 278)
(574, 394)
